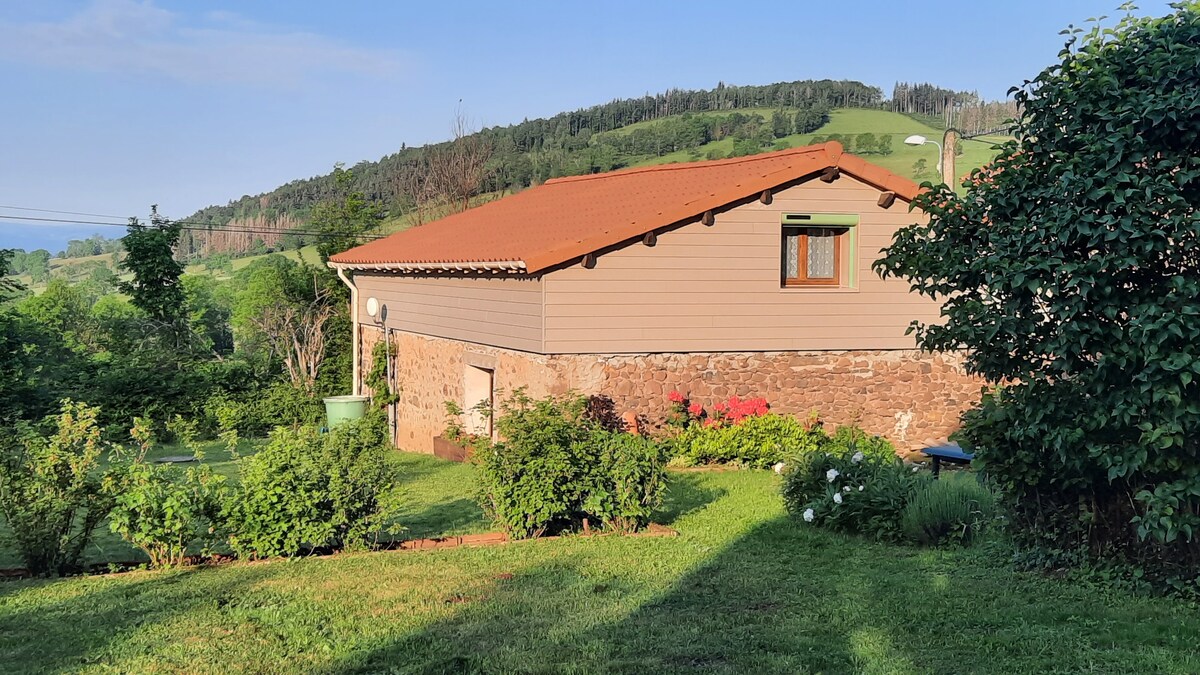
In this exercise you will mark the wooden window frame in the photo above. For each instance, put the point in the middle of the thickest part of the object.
(802, 256)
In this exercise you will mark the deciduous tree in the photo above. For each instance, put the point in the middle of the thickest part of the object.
(1071, 272)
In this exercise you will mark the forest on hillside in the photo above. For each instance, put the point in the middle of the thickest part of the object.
(509, 158)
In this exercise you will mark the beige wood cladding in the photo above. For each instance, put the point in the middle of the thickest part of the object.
(699, 289)
(499, 311)
(714, 289)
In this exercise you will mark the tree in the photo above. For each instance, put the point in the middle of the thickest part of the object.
(1071, 273)
(920, 168)
(37, 264)
(781, 124)
(64, 308)
(343, 221)
(155, 287)
(280, 315)
(884, 144)
(866, 143)
(8, 285)
(451, 174)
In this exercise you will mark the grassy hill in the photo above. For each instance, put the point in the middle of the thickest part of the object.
(853, 121)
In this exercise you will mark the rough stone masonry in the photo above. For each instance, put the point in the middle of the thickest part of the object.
(912, 398)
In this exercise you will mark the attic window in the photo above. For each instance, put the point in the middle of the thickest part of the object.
(817, 249)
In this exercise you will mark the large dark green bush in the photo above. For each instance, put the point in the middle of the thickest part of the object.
(758, 441)
(51, 491)
(1070, 270)
(955, 509)
(555, 466)
(306, 490)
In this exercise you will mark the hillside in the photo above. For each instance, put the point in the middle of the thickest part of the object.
(677, 125)
(849, 123)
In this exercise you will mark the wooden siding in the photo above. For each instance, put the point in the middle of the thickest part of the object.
(713, 289)
(498, 311)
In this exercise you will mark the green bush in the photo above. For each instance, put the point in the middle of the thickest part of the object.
(51, 491)
(850, 491)
(256, 412)
(628, 482)
(307, 490)
(556, 466)
(163, 509)
(853, 439)
(955, 509)
(758, 441)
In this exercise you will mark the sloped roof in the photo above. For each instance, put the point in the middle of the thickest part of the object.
(566, 218)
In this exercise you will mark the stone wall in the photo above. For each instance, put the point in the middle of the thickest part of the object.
(914, 399)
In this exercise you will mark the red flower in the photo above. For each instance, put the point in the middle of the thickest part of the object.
(696, 409)
(676, 397)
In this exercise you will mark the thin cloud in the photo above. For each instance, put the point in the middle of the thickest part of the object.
(129, 37)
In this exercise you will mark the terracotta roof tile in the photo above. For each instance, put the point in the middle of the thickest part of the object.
(569, 217)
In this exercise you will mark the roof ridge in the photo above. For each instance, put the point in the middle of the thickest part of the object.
(687, 166)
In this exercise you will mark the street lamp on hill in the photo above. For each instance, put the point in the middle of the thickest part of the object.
(917, 139)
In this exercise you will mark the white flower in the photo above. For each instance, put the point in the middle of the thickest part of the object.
(846, 489)
(832, 475)
(916, 469)
(858, 457)
(837, 498)
(778, 467)
(809, 515)
(861, 488)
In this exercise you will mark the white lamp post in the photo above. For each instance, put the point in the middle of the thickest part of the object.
(917, 139)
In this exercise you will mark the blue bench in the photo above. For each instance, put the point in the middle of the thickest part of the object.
(951, 452)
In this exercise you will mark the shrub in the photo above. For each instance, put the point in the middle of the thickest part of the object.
(556, 466)
(163, 509)
(955, 509)
(853, 439)
(757, 441)
(850, 491)
(51, 491)
(256, 412)
(531, 481)
(306, 490)
(628, 482)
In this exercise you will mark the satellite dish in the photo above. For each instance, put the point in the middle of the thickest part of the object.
(372, 307)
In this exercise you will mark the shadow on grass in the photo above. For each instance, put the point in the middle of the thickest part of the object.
(751, 607)
(455, 516)
(686, 494)
(786, 598)
(83, 628)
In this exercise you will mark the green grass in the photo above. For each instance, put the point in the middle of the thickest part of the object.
(743, 588)
(852, 121)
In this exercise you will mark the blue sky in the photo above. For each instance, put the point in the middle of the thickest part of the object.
(111, 105)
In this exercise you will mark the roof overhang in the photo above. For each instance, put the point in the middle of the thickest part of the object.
(493, 266)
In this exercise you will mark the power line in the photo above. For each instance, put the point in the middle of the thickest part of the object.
(69, 213)
(184, 224)
(192, 227)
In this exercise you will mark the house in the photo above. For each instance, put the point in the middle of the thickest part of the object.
(745, 276)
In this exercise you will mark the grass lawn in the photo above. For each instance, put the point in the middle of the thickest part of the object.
(742, 589)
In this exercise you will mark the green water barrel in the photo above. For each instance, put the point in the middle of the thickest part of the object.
(340, 409)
